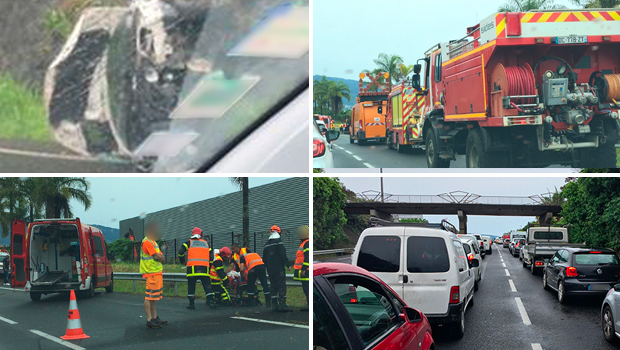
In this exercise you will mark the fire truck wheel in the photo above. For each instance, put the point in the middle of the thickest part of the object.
(477, 157)
(388, 141)
(399, 148)
(34, 296)
(110, 288)
(351, 139)
(432, 152)
(602, 157)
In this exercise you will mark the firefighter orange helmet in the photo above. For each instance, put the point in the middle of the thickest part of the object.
(197, 231)
(225, 252)
(275, 228)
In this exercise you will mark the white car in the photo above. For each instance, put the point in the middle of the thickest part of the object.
(322, 156)
(486, 240)
(425, 265)
(472, 249)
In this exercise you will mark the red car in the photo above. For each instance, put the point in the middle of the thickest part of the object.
(353, 309)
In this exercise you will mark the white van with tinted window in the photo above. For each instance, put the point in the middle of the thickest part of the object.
(427, 266)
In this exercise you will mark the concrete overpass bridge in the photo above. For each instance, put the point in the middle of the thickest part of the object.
(458, 203)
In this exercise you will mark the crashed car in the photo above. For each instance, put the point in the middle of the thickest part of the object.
(173, 85)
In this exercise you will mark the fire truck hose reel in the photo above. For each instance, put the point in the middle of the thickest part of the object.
(607, 86)
(520, 83)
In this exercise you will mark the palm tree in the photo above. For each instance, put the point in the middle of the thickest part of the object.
(319, 90)
(28, 190)
(336, 91)
(597, 3)
(242, 183)
(389, 64)
(12, 204)
(405, 70)
(55, 193)
(529, 5)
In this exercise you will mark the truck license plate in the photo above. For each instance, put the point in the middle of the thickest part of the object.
(571, 39)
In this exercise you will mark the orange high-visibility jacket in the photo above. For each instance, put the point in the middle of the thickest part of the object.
(251, 261)
(198, 253)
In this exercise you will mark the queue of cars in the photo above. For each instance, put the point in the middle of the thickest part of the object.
(574, 270)
(427, 273)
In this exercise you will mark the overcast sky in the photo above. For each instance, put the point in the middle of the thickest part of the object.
(494, 225)
(349, 34)
(119, 198)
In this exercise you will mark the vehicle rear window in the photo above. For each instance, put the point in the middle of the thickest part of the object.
(380, 254)
(596, 259)
(427, 254)
(548, 235)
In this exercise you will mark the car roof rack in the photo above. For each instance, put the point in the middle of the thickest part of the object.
(443, 225)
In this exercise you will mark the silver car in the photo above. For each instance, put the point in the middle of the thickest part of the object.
(610, 314)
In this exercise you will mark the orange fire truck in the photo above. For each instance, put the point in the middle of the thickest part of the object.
(404, 122)
(526, 90)
(367, 118)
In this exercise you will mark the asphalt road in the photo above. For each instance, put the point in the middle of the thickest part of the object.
(495, 322)
(377, 155)
(117, 321)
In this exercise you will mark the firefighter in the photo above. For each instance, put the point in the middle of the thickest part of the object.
(302, 261)
(151, 268)
(218, 276)
(253, 266)
(274, 257)
(198, 258)
(237, 252)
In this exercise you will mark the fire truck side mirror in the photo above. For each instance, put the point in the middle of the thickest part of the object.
(417, 68)
(415, 81)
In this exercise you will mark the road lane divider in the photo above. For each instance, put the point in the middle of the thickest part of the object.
(357, 158)
(271, 322)
(57, 340)
(524, 316)
(369, 166)
(503, 264)
(7, 320)
(507, 273)
(536, 346)
(512, 286)
(349, 152)
(13, 289)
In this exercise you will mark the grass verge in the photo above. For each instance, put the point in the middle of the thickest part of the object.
(618, 156)
(22, 116)
(294, 295)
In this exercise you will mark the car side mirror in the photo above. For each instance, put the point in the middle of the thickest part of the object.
(412, 315)
(474, 263)
(617, 287)
(332, 135)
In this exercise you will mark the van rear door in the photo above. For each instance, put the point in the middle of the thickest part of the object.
(427, 264)
(19, 255)
(380, 251)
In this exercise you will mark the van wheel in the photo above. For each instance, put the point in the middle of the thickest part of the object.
(609, 331)
(91, 290)
(110, 288)
(459, 329)
(34, 296)
(475, 286)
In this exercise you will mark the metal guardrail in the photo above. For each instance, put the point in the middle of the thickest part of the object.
(333, 251)
(176, 278)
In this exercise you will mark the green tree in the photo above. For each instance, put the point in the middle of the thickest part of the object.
(328, 214)
(592, 209)
(243, 185)
(529, 5)
(320, 94)
(12, 203)
(336, 91)
(56, 193)
(405, 70)
(597, 3)
(389, 64)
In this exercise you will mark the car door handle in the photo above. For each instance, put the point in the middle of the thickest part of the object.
(405, 279)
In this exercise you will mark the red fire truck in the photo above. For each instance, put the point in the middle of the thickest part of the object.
(526, 90)
(403, 121)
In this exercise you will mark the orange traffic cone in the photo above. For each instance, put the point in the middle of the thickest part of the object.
(74, 325)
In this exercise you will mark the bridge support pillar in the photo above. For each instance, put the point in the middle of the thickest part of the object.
(462, 222)
(381, 214)
(545, 219)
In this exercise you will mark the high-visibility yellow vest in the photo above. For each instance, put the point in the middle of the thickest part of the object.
(300, 262)
(147, 263)
(237, 257)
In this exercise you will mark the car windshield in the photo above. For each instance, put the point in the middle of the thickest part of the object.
(144, 85)
(596, 259)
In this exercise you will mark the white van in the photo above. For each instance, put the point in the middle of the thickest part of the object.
(487, 244)
(426, 266)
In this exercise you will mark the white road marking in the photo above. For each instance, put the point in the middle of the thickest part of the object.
(504, 265)
(368, 165)
(349, 152)
(512, 286)
(272, 322)
(507, 273)
(13, 289)
(357, 158)
(57, 340)
(524, 316)
(7, 320)
(536, 346)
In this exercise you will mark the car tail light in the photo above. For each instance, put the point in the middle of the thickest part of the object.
(595, 252)
(318, 148)
(455, 296)
(571, 272)
(470, 257)
(353, 301)
(539, 263)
